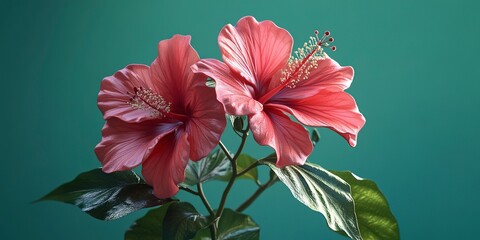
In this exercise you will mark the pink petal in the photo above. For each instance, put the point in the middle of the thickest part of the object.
(207, 121)
(289, 139)
(236, 97)
(116, 91)
(171, 70)
(335, 110)
(255, 50)
(125, 145)
(328, 75)
(164, 169)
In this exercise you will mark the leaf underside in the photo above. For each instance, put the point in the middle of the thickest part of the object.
(106, 196)
(323, 192)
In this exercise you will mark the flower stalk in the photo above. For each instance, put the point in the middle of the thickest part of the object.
(260, 190)
(204, 199)
(212, 227)
(233, 161)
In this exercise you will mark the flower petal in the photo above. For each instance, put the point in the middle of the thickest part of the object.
(207, 122)
(289, 139)
(328, 75)
(125, 145)
(255, 50)
(236, 97)
(335, 110)
(116, 91)
(164, 169)
(171, 71)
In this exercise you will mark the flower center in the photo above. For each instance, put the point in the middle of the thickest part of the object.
(152, 102)
(300, 65)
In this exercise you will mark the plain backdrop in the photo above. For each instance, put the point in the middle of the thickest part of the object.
(416, 82)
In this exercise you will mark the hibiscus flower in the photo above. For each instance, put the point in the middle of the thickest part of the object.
(260, 79)
(159, 116)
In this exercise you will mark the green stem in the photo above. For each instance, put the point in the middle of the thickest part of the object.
(257, 193)
(204, 199)
(213, 230)
(186, 189)
(213, 226)
(225, 150)
(233, 161)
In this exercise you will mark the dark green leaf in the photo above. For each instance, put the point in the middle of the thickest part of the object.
(321, 191)
(375, 218)
(106, 196)
(148, 227)
(233, 226)
(214, 166)
(182, 222)
(315, 137)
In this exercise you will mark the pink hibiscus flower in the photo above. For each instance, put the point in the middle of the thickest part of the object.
(261, 80)
(159, 116)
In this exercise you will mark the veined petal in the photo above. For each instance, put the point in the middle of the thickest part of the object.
(171, 71)
(328, 75)
(255, 50)
(125, 145)
(207, 121)
(289, 139)
(116, 91)
(335, 110)
(164, 169)
(235, 95)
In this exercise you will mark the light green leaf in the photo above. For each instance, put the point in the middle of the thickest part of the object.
(106, 196)
(214, 166)
(375, 218)
(323, 192)
(233, 226)
(243, 161)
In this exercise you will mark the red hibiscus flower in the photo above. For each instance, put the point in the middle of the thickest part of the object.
(260, 79)
(159, 116)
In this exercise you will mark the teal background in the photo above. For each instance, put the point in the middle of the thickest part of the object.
(417, 83)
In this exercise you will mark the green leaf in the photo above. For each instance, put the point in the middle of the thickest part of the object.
(233, 226)
(182, 222)
(174, 220)
(323, 192)
(243, 161)
(106, 196)
(148, 227)
(375, 218)
(214, 166)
